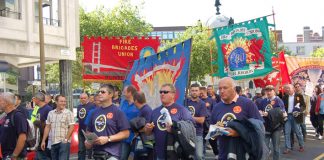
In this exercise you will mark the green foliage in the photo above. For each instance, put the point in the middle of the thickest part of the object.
(319, 52)
(276, 48)
(122, 20)
(200, 62)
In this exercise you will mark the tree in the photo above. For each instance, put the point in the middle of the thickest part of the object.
(319, 52)
(122, 20)
(275, 48)
(200, 62)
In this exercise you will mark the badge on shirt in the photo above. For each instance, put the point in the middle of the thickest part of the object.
(237, 109)
(161, 124)
(192, 110)
(82, 113)
(174, 111)
(110, 115)
(225, 119)
(100, 123)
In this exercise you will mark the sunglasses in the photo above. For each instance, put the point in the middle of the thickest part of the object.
(102, 92)
(164, 92)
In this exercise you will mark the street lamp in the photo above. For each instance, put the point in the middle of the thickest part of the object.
(41, 41)
(219, 20)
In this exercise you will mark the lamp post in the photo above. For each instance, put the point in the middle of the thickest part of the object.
(41, 44)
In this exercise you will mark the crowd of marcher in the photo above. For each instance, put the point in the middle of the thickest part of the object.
(237, 125)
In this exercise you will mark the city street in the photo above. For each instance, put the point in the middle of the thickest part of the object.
(314, 148)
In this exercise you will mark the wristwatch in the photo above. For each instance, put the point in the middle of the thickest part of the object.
(109, 140)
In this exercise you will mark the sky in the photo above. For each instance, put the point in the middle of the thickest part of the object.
(290, 15)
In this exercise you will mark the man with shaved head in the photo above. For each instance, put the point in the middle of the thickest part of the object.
(294, 106)
(82, 112)
(232, 106)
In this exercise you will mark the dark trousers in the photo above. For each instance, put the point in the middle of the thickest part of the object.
(320, 124)
(314, 121)
(213, 144)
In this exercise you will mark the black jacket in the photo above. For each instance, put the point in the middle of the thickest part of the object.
(274, 121)
(298, 98)
(250, 141)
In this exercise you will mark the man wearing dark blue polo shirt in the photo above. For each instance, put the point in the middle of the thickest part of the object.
(83, 111)
(198, 111)
(232, 106)
(13, 135)
(158, 125)
(110, 124)
(130, 110)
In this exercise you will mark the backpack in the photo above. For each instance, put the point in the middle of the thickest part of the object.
(31, 141)
(185, 139)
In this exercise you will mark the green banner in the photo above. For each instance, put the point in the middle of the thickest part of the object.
(244, 49)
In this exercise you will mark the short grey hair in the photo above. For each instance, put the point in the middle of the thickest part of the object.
(9, 97)
(40, 96)
(229, 79)
(173, 89)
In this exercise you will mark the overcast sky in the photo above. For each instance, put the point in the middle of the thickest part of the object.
(290, 15)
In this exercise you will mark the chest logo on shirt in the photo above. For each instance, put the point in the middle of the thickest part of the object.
(6, 123)
(225, 119)
(110, 115)
(192, 110)
(268, 108)
(161, 122)
(38, 116)
(82, 113)
(174, 111)
(100, 123)
(237, 109)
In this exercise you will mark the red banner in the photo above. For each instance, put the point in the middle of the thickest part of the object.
(110, 58)
(273, 78)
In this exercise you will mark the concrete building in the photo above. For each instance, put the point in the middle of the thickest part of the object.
(168, 33)
(19, 36)
(306, 43)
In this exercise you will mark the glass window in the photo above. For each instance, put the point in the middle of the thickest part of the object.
(164, 35)
(51, 12)
(10, 8)
(170, 35)
(300, 50)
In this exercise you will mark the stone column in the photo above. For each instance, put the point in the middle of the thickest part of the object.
(66, 82)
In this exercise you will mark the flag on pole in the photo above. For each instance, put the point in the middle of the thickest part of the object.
(244, 49)
(169, 66)
(274, 77)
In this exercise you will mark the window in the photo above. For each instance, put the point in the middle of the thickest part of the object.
(51, 12)
(315, 48)
(10, 9)
(300, 50)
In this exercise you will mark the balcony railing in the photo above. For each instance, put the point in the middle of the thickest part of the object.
(6, 12)
(50, 22)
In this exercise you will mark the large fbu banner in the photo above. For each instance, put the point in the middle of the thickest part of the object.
(169, 66)
(244, 49)
(110, 58)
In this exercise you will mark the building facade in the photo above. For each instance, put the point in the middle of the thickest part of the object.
(306, 43)
(19, 33)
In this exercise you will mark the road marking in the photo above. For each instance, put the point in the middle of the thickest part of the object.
(320, 157)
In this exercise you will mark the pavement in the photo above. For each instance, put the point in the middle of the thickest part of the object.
(314, 148)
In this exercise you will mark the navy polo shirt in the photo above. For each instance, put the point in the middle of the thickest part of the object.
(197, 109)
(10, 133)
(82, 114)
(222, 113)
(106, 122)
(177, 113)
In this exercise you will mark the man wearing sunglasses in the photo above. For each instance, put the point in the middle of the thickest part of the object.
(110, 124)
(198, 110)
(158, 126)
